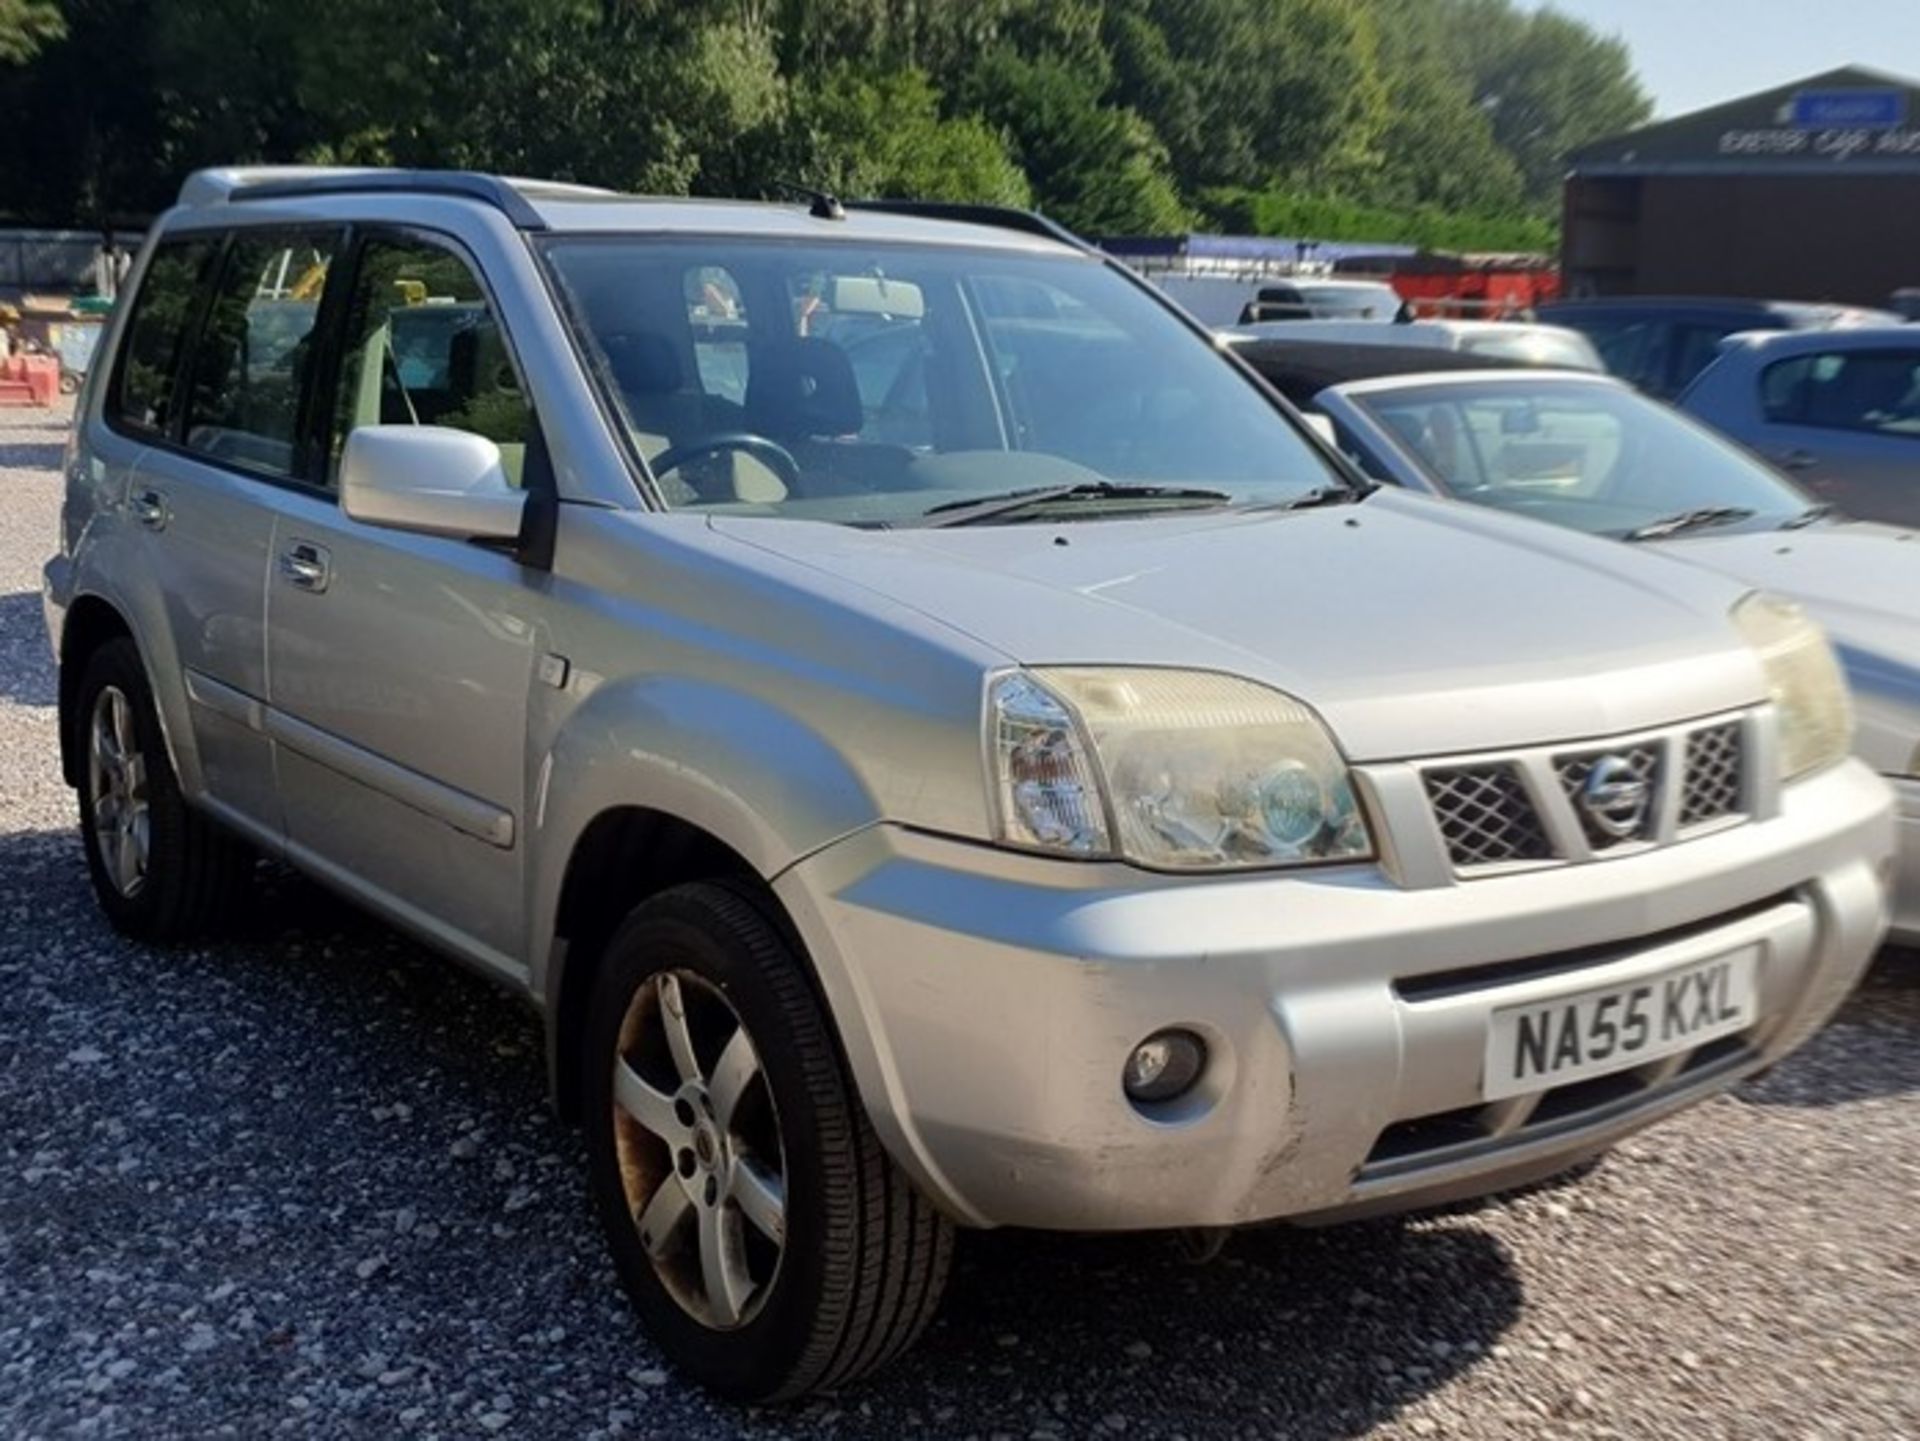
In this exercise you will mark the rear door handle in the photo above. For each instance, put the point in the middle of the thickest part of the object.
(306, 566)
(149, 507)
(1799, 460)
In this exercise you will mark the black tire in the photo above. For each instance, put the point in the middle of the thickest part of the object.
(193, 867)
(865, 1256)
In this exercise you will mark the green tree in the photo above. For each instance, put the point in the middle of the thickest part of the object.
(1547, 82)
(641, 94)
(1095, 167)
(936, 37)
(25, 26)
(1438, 146)
(881, 134)
(1244, 92)
(1114, 114)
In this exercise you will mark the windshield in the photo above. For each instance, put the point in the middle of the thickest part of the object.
(872, 384)
(1352, 301)
(1596, 457)
(1536, 345)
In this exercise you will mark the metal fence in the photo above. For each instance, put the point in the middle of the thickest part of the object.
(56, 260)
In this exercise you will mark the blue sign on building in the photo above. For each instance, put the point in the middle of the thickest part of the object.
(1855, 109)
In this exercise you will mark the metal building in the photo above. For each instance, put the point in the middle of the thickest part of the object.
(1807, 192)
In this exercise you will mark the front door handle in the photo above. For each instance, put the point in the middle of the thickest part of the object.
(1799, 460)
(149, 507)
(306, 566)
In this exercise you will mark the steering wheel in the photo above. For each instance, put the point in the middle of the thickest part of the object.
(772, 453)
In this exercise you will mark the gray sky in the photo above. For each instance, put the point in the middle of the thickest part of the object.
(1695, 53)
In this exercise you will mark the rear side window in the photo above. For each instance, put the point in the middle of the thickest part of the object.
(169, 297)
(250, 368)
(1869, 390)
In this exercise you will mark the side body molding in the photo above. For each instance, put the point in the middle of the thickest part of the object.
(472, 815)
(663, 743)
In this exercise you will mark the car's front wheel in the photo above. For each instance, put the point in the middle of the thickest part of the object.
(769, 1243)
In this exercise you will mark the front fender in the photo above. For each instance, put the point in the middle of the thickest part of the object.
(752, 775)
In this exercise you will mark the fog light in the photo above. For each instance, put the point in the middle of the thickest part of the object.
(1164, 1066)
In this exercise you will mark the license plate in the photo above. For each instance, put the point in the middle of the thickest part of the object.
(1614, 1028)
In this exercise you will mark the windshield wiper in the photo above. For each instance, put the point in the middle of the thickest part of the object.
(1688, 520)
(992, 507)
(1807, 517)
(1343, 494)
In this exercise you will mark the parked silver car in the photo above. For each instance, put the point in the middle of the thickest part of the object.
(1591, 453)
(1839, 410)
(939, 744)
(1517, 340)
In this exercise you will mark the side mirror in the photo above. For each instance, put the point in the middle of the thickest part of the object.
(430, 479)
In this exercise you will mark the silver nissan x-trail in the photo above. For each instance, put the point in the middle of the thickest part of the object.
(940, 744)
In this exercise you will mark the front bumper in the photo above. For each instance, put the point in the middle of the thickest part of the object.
(987, 1002)
(1906, 897)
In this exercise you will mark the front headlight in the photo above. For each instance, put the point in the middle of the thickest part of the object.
(1179, 770)
(1809, 692)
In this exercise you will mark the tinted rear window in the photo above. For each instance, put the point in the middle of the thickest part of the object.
(169, 295)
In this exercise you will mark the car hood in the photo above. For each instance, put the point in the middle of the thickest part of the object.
(1862, 582)
(1414, 627)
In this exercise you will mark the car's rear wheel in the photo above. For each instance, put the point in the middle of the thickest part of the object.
(161, 870)
(769, 1243)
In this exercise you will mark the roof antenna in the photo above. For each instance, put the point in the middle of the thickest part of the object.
(821, 205)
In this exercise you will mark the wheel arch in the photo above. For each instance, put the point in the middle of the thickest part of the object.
(626, 855)
(91, 622)
(659, 779)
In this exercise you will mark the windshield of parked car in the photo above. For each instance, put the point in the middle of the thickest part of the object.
(1352, 301)
(1536, 345)
(1594, 456)
(883, 384)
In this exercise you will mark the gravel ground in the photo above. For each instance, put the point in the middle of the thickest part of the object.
(304, 1181)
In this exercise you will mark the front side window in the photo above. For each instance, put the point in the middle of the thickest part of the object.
(250, 367)
(163, 311)
(1591, 456)
(423, 347)
(1869, 390)
(873, 383)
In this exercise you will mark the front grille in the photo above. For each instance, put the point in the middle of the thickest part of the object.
(1576, 771)
(1715, 766)
(1486, 816)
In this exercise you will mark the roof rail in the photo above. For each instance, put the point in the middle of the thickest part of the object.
(286, 182)
(1001, 217)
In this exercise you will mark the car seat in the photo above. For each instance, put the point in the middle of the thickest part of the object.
(665, 411)
(802, 393)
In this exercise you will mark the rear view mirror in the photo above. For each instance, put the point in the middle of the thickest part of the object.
(876, 295)
(429, 479)
(1520, 419)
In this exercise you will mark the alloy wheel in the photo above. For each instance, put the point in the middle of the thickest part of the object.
(117, 791)
(702, 1164)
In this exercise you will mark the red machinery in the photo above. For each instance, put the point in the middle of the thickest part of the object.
(1466, 287)
(29, 380)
